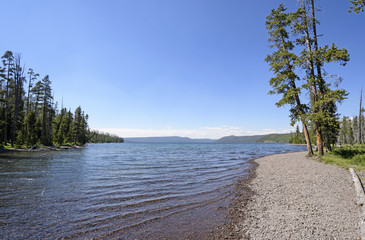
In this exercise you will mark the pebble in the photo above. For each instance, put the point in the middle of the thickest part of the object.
(296, 197)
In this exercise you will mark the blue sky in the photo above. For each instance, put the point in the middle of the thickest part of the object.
(191, 68)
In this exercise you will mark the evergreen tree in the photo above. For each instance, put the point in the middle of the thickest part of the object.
(37, 92)
(58, 128)
(32, 77)
(344, 131)
(355, 126)
(46, 111)
(282, 63)
(32, 129)
(8, 62)
(350, 135)
(28, 116)
(323, 96)
(18, 101)
(357, 6)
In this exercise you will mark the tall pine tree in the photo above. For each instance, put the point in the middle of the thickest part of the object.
(282, 63)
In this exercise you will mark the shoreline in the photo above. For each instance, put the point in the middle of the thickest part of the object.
(289, 196)
(237, 213)
(41, 149)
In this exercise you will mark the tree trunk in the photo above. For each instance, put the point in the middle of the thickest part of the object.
(16, 109)
(301, 112)
(315, 41)
(319, 142)
(359, 140)
(313, 84)
(307, 139)
(7, 106)
(28, 100)
(44, 120)
(17, 82)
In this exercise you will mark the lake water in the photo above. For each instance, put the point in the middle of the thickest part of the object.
(126, 191)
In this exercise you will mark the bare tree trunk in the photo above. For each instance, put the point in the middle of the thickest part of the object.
(359, 140)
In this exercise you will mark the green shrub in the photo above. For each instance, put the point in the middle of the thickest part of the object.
(349, 151)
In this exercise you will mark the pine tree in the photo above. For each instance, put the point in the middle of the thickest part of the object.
(357, 6)
(32, 77)
(355, 126)
(32, 129)
(37, 91)
(8, 62)
(58, 128)
(29, 116)
(344, 131)
(350, 135)
(282, 64)
(313, 58)
(18, 100)
(46, 111)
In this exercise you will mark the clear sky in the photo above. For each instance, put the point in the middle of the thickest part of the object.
(191, 68)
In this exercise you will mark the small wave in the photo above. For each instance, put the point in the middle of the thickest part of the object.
(27, 179)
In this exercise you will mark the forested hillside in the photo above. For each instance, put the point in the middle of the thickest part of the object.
(269, 138)
(29, 115)
(275, 138)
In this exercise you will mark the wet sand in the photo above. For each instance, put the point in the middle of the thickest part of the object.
(289, 196)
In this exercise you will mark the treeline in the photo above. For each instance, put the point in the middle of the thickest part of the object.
(101, 137)
(297, 137)
(351, 131)
(28, 114)
(298, 62)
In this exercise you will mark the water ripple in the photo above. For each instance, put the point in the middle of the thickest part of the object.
(106, 190)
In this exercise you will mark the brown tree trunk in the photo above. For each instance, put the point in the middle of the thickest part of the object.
(307, 139)
(313, 84)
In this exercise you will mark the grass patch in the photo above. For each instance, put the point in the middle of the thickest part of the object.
(347, 157)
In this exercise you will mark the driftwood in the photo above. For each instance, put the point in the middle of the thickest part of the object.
(360, 195)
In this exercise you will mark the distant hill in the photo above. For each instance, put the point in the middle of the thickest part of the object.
(240, 139)
(275, 138)
(167, 140)
(269, 138)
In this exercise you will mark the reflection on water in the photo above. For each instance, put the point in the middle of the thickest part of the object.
(121, 190)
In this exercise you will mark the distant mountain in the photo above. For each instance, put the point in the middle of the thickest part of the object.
(268, 138)
(173, 139)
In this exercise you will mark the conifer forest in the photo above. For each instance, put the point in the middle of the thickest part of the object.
(30, 116)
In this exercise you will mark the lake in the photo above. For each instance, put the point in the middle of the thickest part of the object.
(125, 191)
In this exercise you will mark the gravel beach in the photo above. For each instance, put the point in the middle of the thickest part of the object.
(294, 197)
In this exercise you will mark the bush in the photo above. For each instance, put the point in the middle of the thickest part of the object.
(349, 152)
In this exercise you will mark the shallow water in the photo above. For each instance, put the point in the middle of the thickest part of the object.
(122, 191)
